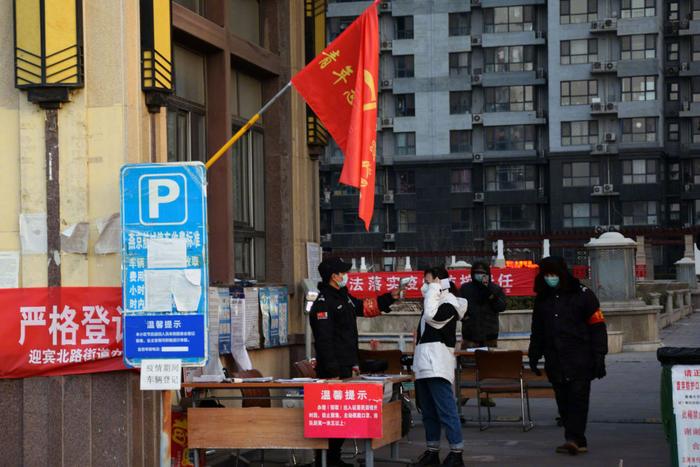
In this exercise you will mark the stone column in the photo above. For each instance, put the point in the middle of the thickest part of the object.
(689, 247)
(640, 257)
(612, 267)
(685, 272)
(669, 302)
(655, 297)
(500, 257)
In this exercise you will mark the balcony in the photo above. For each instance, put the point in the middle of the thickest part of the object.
(603, 67)
(604, 108)
(690, 109)
(604, 25)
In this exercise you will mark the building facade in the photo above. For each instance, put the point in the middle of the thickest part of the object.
(526, 120)
(229, 57)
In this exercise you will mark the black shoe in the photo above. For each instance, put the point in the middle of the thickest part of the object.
(428, 459)
(569, 447)
(453, 459)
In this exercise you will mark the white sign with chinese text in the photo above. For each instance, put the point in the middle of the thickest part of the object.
(161, 374)
(686, 406)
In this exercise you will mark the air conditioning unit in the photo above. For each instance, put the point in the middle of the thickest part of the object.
(476, 40)
(683, 24)
(478, 158)
(387, 84)
(477, 119)
(326, 238)
(611, 107)
(608, 188)
(671, 70)
(596, 107)
(685, 66)
(476, 78)
(597, 190)
(599, 148)
(478, 197)
(688, 187)
(385, 6)
(595, 26)
(476, 2)
(389, 237)
(610, 137)
(609, 23)
(386, 45)
(388, 197)
(597, 66)
(387, 122)
(610, 66)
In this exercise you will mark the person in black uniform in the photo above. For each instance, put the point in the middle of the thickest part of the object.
(568, 329)
(334, 326)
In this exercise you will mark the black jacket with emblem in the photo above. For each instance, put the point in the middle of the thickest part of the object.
(485, 303)
(568, 329)
(333, 320)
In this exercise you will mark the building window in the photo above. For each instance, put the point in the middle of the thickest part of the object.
(638, 47)
(187, 109)
(639, 88)
(460, 102)
(346, 221)
(460, 180)
(195, 5)
(639, 172)
(461, 219)
(459, 24)
(672, 50)
(575, 174)
(407, 220)
(510, 138)
(581, 214)
(696, 130)
(639, 213)
(577, 11)
(245, 20)
(579, 132)
(459, 64)
(672, 11)
(578, 51)
(509, 19)
(405, 143)
(673, 132)
(510, 99)
(691, 169)
(578, 92)
(513, 58)
(403, 66)
(695, 89)
(510, 217)
(639, 130)
(695, 13)
(695, 48)
(673, 90)
(405, 105)
(248, 163)
(337, 25)
(510, 178)
(406, 181)
(637, 8)
(674, 171)
(403, 27)
(460, 141)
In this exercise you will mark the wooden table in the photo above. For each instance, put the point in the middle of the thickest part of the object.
(277, 427)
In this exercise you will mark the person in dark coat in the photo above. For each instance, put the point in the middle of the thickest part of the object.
(333, 319)
(486, 300)
(568, 330)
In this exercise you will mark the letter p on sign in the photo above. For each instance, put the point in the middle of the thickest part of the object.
(163, 199)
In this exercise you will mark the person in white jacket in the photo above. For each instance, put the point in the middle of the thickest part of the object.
(434, 366)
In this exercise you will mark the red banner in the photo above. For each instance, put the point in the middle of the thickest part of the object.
(343, 410)
(60, 331)
(517, 282)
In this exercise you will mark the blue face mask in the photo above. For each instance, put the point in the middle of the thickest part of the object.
(344, 281)
(552, 281)
(479, 277)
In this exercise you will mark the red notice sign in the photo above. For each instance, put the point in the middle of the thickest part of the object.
(347, 410)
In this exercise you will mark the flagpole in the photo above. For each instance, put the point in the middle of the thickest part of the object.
(244, 129)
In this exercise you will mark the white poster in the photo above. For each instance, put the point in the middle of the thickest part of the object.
(32, 233)
(686, 407)
(314, 255)
(9, 269)
(158, 375)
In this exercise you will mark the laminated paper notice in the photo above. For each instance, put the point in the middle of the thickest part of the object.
(158, 296)
(9, 269)
(167, 253)
(165, 286)
(252, 318)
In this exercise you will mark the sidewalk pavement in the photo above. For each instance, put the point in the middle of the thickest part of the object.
(624, 427)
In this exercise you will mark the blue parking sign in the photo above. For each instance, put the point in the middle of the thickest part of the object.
(165, 277)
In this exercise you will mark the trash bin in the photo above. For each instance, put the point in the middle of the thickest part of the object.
(670, 357)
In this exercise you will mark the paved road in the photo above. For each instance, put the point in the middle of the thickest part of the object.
(624, 424)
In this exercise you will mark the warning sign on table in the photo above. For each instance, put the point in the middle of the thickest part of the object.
(343, 410)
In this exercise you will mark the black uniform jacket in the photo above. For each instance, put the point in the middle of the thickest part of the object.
(333, 322)
(568, 329)
(485, 303)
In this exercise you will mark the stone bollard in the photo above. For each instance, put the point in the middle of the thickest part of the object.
(655, 298)
(685, 272)
(612, 267)
(669, 302)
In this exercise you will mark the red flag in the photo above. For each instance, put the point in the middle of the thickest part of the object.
(340, 85)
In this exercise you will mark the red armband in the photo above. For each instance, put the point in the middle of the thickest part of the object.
(371, 307)
(596, 317)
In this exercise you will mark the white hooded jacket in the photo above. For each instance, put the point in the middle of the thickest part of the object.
(436, 359)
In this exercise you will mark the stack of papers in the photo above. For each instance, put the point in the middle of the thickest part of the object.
(296, 380)
(263, 379)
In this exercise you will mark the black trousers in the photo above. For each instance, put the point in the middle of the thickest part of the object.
(572, 401)
(335, 445)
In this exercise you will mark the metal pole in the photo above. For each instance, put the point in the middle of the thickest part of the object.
(53, 199)
(246, 127)
(154, 147)
(369, 453)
